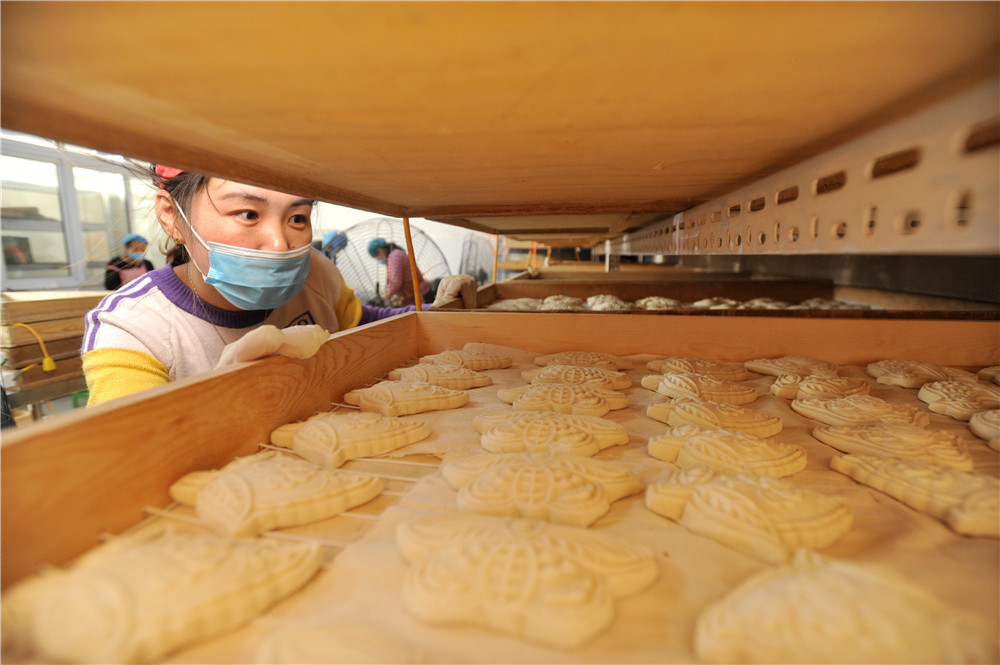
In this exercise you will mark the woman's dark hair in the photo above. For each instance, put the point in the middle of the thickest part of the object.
(182, 188)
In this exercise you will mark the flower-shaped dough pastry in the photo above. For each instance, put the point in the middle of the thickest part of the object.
(700, 387)
(798, 365)
(710, 415)
(584, 359)
(568, 489)
(728, 452)
(593, 377)
(446, 376)
(679, 365)
(959, 399)
(990, 374)
(136, 599)
(967, 502)
(823, 610)
(898, 440)
(396, 398)
(913, 373)
(767, 518)
(548, 432)
(986, 425)
(333, 438)
(272, 490)
(859, 410)
(542, 582)
(791, 386)
(563, 398)
(474, 360)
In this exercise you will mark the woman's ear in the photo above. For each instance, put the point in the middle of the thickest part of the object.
(166, 215)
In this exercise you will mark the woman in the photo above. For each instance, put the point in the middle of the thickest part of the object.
(399, 280)
(123, 269)
(249, 264)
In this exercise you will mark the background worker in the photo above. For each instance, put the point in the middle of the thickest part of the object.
(334, 243)
(399, 280)
(131, 265)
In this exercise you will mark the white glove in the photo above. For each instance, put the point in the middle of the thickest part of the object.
(293, 342)
(454, 286)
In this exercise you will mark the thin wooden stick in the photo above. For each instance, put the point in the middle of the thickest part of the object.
(414, 274)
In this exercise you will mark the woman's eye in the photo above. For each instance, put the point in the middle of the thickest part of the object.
(300, 219)
(248, 215)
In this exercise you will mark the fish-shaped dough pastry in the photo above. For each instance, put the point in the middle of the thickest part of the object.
(398, 398)
(547, 432)
(700, 387)
(711, 415)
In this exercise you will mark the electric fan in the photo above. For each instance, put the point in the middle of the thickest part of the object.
(368, 277)
(477, 258)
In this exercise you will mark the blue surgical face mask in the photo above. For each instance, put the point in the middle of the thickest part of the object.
(253, 279)
(137, 256)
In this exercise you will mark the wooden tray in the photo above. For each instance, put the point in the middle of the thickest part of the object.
(70, 478)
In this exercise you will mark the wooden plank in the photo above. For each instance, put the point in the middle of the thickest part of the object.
(578, 106)
(53, 329)
(31, 306)
(69, 478)
(842, 341)
(36, 377)
(59, 349)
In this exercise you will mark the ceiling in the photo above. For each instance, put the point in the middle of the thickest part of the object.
(562, 120)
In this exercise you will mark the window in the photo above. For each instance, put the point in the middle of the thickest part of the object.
(64, 212)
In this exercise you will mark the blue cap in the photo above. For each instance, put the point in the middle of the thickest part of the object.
(375, 245)
(334, 240)
(133, 237)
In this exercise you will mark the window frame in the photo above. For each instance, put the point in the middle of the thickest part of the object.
(65, 160)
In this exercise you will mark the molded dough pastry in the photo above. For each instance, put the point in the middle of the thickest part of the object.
(990, 374)
(271, 490)
(700, 387)
(967, 502)
(331, 439)
(584, 359)
(557, 302)
(766, 518)
(986, 425)
(568, 489)
(913, 373)
(474, 360)
(563, 398)
(678, 365)
(716, 302)
(821, 610)
(898, 440)
(728, 452)
(517, 304)
(657, 302)
(542, 582)
(446, 376)
(764, 303)
(139, 598)
(396, 398)
(548, 432)
(957, 399)
(858, 410)
(580, 376)
(791, 386)
(798, 365)
(711, 415)
(608, 303)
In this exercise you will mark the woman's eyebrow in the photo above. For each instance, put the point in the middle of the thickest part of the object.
(254, 198)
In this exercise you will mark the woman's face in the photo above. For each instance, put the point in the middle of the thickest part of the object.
(240, 215)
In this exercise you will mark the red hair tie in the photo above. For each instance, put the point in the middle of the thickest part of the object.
(167, 172)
